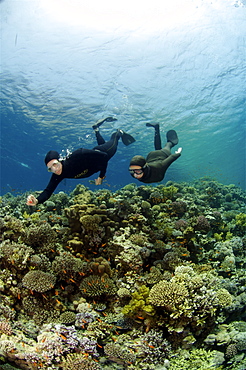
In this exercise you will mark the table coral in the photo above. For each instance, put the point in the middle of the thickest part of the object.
(39, 281)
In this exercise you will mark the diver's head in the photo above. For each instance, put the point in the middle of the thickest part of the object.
(137, 166)
(52, 162)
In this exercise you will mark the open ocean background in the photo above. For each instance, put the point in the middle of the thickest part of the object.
(64, 65)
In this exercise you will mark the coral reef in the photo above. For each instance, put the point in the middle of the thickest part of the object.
(146, 277)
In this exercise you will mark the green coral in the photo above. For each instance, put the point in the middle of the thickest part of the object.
(168, 192)
(241, 222)
(197, 359)
(31, 217)
(139, 304)
(218, 237)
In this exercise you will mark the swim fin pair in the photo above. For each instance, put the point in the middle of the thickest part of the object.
(127, 139)
(172, 136)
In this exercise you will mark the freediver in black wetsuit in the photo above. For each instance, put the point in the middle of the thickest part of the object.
(153, 168)
(82, 162)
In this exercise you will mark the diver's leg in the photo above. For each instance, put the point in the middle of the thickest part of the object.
(100, 139)
(157, 137)
(110, 147)
(167, 148)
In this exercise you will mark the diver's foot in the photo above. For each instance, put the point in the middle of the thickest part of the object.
(127, 139)
(155, 125)
(101, 121)
(172, 137)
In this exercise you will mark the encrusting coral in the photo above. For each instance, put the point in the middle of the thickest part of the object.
(146, 277)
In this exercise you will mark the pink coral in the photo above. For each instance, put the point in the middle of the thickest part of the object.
(5, 327)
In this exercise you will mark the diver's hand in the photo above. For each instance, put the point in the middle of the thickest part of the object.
(31, 200)
(99, 180)
(178, 151)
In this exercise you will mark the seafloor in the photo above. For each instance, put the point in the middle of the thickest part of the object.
(141, 278)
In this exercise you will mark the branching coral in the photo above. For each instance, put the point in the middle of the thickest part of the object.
(5, 327)
(57, 340)
(15, 254)
(66, 266)
(197, 359)
(78, 361)
(188, 299)
(41, 237)
(116, 352)
(127, 253)
(139, 304)
(12, 228)
(152, 348)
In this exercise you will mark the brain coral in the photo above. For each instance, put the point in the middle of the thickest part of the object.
(68, 317)
(39, 281)
(168, 294)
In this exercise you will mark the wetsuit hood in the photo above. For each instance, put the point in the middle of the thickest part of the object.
(138, 160)
(52, 154)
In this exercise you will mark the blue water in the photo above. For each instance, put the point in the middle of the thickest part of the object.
(180, 64)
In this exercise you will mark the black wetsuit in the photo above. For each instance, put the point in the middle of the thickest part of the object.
(83, 163)
(158, 161)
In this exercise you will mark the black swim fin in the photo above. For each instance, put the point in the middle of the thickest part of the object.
(101, 121)
(172, 137)
(127, 139)
(155, 125)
